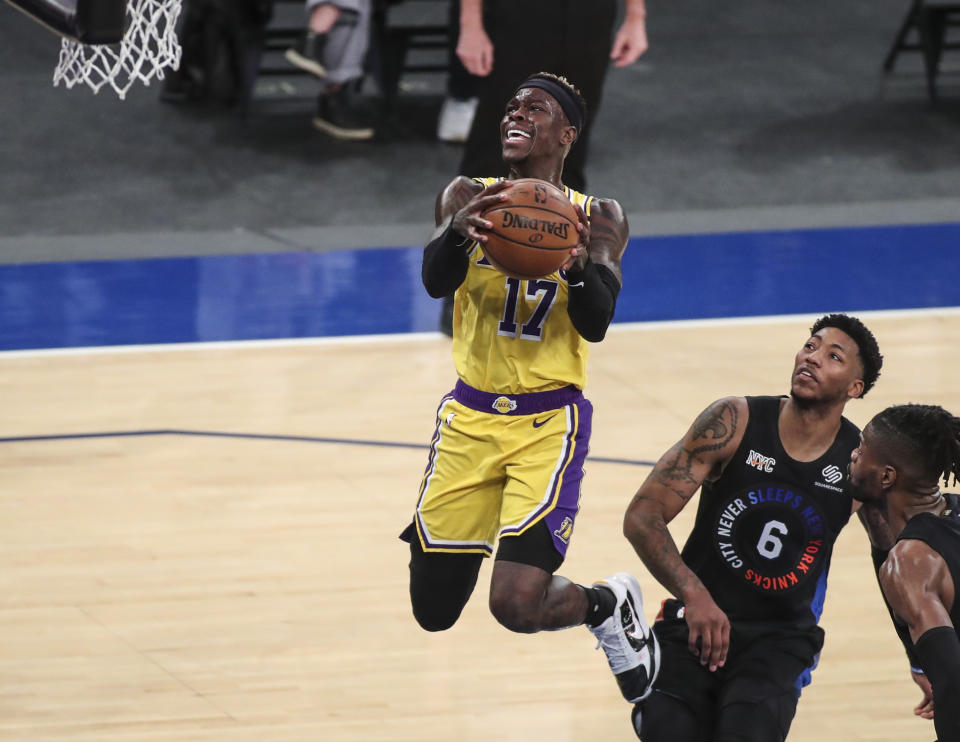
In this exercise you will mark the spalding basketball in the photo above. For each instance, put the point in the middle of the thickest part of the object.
(533, 230)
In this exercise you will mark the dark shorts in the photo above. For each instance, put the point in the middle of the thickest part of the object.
(766, 668)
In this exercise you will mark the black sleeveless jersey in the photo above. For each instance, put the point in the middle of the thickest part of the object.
(765, 530)
(942, 534)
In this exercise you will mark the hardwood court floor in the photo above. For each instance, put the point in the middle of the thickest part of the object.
(174, 587)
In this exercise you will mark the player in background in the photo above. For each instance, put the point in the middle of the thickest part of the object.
(896, 470)
(506, 459)
(741, 637)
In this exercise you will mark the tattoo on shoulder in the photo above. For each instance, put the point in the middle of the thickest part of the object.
(711, 431)
(717, 423)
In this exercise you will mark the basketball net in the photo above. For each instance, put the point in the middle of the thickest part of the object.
(149, 45)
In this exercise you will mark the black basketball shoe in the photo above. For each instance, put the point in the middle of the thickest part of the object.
(338, 118)
(308, 54)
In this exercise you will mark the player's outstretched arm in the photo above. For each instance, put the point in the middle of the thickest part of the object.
(459, 223)
(701, 454)
(593, 271)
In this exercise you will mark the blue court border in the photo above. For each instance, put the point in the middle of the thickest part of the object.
(378, 290)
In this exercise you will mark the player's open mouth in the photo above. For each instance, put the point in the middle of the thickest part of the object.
(515, 135)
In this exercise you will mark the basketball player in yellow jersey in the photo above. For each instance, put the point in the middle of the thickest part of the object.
(506, 460)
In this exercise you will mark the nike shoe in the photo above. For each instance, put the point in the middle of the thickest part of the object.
(628, 641)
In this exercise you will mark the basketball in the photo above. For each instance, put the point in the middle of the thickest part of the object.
(533, 230)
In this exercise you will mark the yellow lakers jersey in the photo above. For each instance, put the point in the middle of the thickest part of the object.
(512, 335)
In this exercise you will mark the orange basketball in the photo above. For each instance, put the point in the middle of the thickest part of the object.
(533, 230)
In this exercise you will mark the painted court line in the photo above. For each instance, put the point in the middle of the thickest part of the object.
(260, 437)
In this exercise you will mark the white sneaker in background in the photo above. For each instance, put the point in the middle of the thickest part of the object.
(456, 116)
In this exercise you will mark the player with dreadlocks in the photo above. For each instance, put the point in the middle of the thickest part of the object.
(904, 452)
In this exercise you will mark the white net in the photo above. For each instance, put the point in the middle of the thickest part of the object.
(149, 45)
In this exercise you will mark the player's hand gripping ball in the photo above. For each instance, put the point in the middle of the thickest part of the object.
(533, 231)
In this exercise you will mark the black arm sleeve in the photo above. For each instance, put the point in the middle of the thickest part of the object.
(939, 651)
(592, 300)
(879, 557)
(444, 263)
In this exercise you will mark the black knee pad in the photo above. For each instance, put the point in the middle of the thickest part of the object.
(663, 718)
(440, 585)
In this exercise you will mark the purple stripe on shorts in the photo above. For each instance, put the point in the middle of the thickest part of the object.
(529, 403)
(560, 520)
(562, 508)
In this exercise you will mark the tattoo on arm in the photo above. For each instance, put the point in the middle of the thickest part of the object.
(609, 233)
(464, 190)
(455, 197)
(711, 431)
(659, 551)
(656, 532)
(874, 520)
(711, 425)
(673, 470)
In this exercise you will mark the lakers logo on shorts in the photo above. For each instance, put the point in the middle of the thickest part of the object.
(565, 530)
(504, 404)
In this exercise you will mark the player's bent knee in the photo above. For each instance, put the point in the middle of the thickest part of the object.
(514, 613)
(517, 594)
(662, 718)
(440, 586)
(437, 604)
(431, 619)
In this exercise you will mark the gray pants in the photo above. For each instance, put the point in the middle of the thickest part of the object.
(347, 41)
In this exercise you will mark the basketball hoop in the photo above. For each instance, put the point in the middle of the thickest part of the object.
(149, 45)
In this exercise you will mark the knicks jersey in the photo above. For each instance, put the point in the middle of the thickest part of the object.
(512, 335)
(765, 530)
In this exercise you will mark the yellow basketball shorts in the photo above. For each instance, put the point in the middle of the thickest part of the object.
(499, 464)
